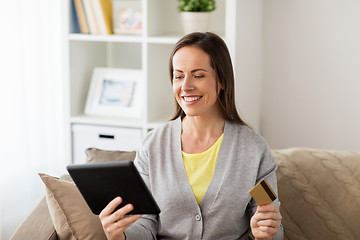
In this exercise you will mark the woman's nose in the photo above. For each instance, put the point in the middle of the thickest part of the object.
(187, 84)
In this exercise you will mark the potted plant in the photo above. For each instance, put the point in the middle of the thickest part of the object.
(195, 14)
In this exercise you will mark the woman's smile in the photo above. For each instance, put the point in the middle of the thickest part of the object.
(191, 99)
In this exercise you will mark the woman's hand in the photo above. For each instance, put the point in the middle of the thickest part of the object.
(265, 222)
(115, 223)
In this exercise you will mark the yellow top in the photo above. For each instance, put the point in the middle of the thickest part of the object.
(200, 168)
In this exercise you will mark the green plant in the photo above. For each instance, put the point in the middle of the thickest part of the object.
(196, 5)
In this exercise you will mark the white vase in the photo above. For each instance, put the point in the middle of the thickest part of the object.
(195, 21)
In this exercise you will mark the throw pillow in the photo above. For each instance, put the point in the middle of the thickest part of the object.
(71, 216)
(98, 155)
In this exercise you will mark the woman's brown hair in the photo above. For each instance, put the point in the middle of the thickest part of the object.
(220, 61)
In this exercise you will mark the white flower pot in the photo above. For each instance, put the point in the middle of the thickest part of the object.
(195, 21)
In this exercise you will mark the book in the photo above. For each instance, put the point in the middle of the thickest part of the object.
(107, 9)
(90, 17)
(103, 15)
(74, 23)
(79, 10)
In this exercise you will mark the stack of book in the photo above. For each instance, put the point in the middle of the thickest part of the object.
(93, 16)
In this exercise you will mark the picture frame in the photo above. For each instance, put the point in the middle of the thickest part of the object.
(127, 17)
(115, 92)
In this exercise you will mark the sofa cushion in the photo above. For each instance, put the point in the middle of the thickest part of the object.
(98, 155)
(71, 216)
(319, 192)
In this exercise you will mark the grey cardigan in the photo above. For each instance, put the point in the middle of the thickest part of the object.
(226, 209)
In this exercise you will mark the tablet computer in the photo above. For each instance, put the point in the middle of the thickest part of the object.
(99, 183)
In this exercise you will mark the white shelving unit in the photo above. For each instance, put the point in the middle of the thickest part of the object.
(148, 52)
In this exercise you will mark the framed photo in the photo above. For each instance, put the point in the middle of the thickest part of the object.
(115, 92)
(127, 17)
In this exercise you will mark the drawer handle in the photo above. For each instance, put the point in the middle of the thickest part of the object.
(106, 136)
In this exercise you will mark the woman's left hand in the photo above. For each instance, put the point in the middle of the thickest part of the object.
(265, 222)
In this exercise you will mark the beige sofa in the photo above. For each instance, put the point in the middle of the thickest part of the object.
(319, 192)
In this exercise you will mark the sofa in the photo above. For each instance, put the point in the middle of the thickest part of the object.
(319, 192)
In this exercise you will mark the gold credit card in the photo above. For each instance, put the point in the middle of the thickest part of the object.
(262, 193)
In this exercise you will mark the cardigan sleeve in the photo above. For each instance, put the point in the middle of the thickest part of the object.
(267, 170)
(146, 227)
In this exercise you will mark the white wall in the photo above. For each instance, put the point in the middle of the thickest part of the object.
(31, 102)
(311, 74)
(249, 59)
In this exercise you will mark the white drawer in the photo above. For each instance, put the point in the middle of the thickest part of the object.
(106, 138)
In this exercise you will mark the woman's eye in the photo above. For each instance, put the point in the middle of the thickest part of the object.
(178, 77)
(198, 76)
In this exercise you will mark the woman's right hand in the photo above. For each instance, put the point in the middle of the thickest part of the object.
(115, 223)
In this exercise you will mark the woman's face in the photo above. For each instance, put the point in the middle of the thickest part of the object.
(194, 82)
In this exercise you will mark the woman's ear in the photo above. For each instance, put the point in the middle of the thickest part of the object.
(220, 87)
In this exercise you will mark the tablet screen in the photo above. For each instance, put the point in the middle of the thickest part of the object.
(100, 183)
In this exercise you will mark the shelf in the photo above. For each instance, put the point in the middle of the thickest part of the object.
(107, 121)
(116, 122)
(105, 38)
(161, 39)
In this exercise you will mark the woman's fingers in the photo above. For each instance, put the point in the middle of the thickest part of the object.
(116, 222)
(267, 215)
(121, 212)
(268, 208)
(269, 211)
(108, 221)
(110, 207)
(123, 223)
(269, 223)
(266, 221)
(116, 229)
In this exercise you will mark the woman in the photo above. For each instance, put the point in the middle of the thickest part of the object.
(201, 165)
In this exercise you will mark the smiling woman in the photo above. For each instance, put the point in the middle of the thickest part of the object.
(31, 122)
(208, 156)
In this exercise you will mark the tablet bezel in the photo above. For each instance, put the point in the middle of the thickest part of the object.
(99, 183)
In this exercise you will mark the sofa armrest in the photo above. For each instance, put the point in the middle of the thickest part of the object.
(38, 225)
